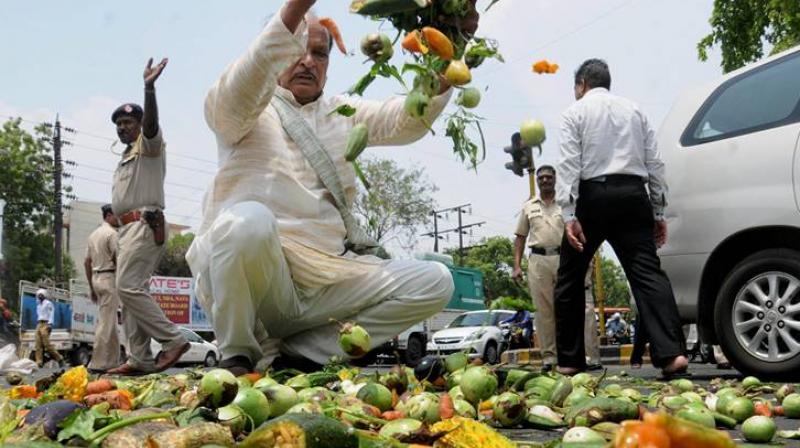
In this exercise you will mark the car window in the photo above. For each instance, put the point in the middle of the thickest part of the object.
(471, 320)
(764, 98)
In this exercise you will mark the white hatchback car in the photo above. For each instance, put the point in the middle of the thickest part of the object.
(732, 154)
(200, 350)
(476, 332)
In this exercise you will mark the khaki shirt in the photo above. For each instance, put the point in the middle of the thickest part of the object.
(139, 178)
(542, 223)
(102, 248)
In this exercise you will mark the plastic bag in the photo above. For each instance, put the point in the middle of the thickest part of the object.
(23, 366)
(8, 355)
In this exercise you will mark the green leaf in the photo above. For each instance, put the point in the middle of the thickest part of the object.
(345, 110)
(361, 86)
(79, 424)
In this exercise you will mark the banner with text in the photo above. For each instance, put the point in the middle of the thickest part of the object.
(175, 295)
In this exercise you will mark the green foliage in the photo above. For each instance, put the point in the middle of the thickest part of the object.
(173, 263)
(27, 188)
(399, 201)
(494, 257)
(742, 28)
(615, 285)
(512, 303)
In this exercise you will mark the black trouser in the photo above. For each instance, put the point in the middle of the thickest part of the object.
(619, 211)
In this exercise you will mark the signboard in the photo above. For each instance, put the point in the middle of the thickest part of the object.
(175, 296)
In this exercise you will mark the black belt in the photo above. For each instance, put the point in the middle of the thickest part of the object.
(544, 251)
(617, 179)
(105, 271)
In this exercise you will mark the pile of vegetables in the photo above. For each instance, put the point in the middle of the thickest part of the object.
(438, 38)
(445, 402)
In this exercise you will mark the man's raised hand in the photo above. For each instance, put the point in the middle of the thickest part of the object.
(151, 73)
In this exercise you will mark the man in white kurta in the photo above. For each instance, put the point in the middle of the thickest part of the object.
(270, 253)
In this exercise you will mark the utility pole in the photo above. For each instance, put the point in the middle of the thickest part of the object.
(436, 234)
(58, 222)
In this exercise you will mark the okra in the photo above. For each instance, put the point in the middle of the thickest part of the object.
(357, 140)
(561, 390)
(601, 409)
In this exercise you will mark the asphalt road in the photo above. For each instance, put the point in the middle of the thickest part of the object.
(702, 374)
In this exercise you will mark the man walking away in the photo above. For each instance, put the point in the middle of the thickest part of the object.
(101, 266)
(608, 157)
(138, 201)
(44, 317)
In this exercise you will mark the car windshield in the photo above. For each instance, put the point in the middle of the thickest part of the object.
(472, 320)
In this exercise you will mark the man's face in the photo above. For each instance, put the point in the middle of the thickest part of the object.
(112, 220)
(306, 78)
(128, 129)
(546, 180)
(580, 89)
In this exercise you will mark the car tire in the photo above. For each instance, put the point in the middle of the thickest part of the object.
(765, 330)
(211, 360)
(82, 356)
(415, 351)
(490, 355)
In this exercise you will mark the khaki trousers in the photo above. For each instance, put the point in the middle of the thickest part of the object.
(142, 318)
(43, 344)
(105, 354)
(542, 271)
(245, 286)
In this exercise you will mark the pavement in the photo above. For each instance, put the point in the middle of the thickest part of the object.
(701, 375)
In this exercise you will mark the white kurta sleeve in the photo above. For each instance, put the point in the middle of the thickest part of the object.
(388, 122)
(245, 88)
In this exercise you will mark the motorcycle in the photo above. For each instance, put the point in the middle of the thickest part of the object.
(514, 337)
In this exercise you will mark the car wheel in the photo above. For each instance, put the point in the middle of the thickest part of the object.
(81, 357)
(758, 314)
(211, 360)
(490, 353)
(415, 351)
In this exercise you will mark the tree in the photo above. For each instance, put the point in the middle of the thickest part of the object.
(26, 184)
(615, 284)
(173, 263)
(494, 257)
(742, 28)
(398, 202)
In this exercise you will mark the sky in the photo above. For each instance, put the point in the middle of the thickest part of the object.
(80, 60)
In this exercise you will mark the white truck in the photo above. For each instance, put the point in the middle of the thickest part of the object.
(74, 322)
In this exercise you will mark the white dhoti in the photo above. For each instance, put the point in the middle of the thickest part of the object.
(244, 280)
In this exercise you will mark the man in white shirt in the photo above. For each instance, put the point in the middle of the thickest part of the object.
(270, 260)
(44, 319)
(608, 161)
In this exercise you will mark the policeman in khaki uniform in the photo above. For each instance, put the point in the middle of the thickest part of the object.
(542, 225)
(101, 267)
(138, 201)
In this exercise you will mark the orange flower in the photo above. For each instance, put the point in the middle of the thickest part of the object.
(544, 66)
(23, 391)
(439, 43)
(413, 43)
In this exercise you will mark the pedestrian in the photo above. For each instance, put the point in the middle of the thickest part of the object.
(45, 312)
(101, 266)
(279, 252)
(138, 203)
(541, 224)
(608, 162)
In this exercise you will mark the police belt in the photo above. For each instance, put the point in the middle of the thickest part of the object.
(545, 251)
(130, 217)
